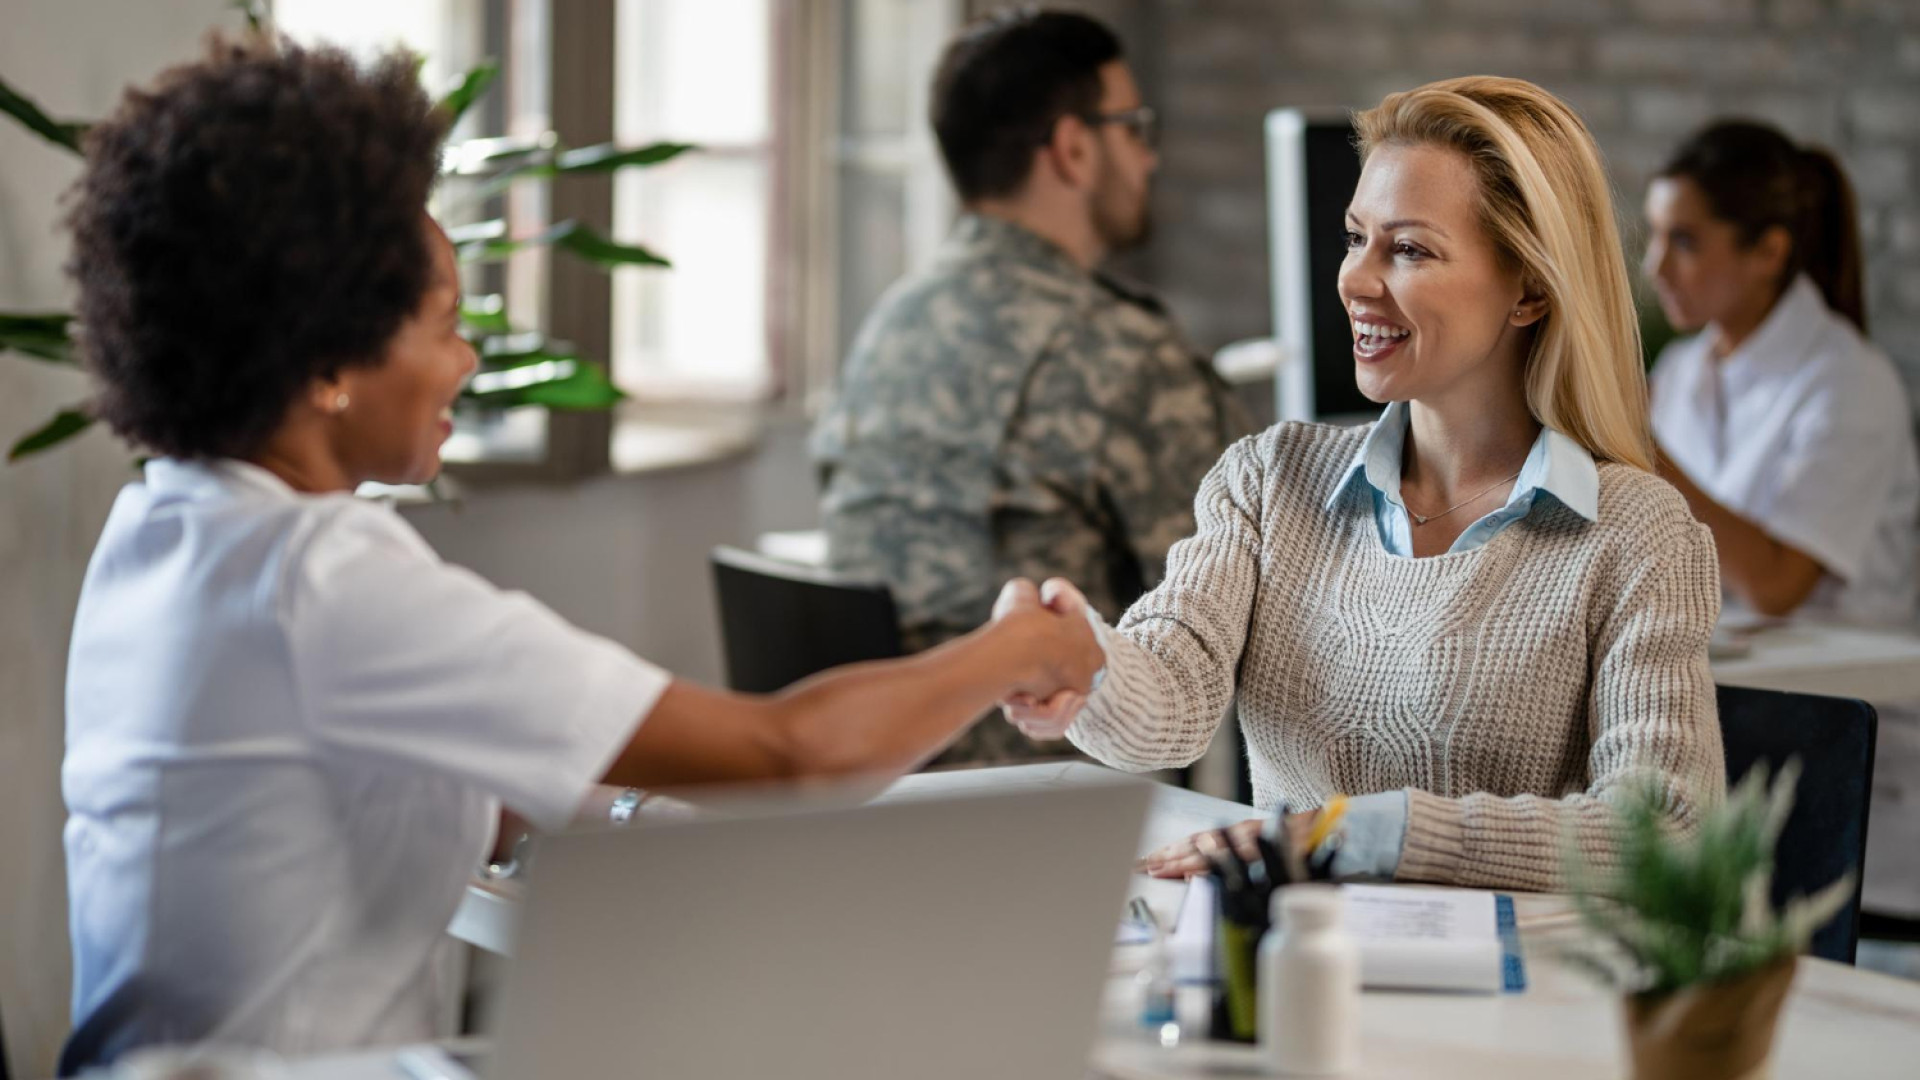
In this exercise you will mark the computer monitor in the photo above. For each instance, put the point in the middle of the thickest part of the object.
(1312, 169)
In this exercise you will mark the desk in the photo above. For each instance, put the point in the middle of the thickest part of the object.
(1838, 1021)
(1881, 666)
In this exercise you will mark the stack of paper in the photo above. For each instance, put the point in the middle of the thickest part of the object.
(1410, 938)
(1435, 939)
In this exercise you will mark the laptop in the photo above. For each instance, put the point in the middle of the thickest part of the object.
(953, 936)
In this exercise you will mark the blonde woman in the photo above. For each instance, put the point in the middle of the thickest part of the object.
(1481, 616)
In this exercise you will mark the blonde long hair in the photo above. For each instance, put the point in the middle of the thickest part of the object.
(1545, 200)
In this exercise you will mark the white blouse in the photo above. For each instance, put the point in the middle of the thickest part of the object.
(290, 727)
(1806, 430)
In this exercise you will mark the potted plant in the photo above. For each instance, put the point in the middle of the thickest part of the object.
(1690, 937)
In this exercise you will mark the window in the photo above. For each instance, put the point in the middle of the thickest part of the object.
(436, 29)
(894, 202)
(701, 72)
(817, 184)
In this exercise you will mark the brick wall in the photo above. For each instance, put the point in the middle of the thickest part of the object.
(1644, 73)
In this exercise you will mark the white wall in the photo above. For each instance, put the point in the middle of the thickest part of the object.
(74, 56)
(626, 556)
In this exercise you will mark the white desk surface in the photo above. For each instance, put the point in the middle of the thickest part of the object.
(1811, 658)
(1839, 1022)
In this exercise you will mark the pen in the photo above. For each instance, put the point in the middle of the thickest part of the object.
(1290, 866)
(1328, 820)
(1139, 911)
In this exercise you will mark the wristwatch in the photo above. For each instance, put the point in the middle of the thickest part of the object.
(624, 805)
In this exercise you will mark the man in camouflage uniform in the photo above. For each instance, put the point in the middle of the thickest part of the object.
(1012, 412)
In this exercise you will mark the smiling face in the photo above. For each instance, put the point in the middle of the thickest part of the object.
(400, 410)
(1434, 309)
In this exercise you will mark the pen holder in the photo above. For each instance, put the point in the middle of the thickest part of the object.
(1236, 1003)
(1236, 989)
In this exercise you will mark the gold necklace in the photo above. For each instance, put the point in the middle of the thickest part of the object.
(1422, 519)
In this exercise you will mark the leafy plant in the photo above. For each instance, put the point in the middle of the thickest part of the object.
(1656, 333)
(517, 366)
(1688, 910)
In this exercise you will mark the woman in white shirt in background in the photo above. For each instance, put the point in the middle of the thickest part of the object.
(290, 726)
(1789, 433)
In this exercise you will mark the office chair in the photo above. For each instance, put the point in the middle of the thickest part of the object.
(781, 622)
(1826, 835)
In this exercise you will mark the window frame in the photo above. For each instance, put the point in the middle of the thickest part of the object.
(806, 267)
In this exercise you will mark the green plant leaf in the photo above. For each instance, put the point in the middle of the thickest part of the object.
(586, 243)
(569, 383)
(479, 157)
(65, 425)
(43, 337)
(256, 18)
(485, 315)
(608, 157)
(511, 356)
(487, 242)
(559, 161)
(34, 119)
(1694, 908)
(468, 90)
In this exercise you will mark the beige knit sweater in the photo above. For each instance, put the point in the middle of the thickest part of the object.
(1512, 690)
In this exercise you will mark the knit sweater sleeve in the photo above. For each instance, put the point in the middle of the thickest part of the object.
(1652, 720)
(1171, 662)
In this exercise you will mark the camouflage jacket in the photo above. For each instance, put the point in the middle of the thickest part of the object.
(1008, 414)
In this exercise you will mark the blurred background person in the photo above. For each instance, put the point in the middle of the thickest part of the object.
(1788, 432)
(1012, 411)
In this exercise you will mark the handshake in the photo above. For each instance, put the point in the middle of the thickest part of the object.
(1058, 654)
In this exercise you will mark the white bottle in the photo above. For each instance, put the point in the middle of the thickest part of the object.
(1309, 985)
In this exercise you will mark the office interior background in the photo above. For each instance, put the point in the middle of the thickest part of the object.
(817, 185)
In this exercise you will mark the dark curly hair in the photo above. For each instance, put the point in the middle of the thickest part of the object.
(251, 222)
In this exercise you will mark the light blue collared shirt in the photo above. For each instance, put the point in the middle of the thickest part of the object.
(1556, 466)
(1376, 825)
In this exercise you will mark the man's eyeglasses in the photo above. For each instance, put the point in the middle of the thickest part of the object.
(1141, 121)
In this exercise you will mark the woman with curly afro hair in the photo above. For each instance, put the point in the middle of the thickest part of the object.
(290, 726)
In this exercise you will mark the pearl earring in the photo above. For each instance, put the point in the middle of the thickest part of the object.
(340, 402)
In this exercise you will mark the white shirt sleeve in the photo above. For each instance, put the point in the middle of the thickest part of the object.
(1834, 475)
(401, 657)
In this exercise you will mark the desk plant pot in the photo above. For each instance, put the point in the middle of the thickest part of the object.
(1684, 928)
(1720, 1030)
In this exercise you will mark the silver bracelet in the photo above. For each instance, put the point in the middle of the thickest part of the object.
(512, 865)
(624, 805)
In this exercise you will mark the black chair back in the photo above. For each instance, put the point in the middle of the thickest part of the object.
(1826, 835)
(781, 622)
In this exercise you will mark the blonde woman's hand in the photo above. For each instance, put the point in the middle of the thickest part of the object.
(1049, 717)
(1185, 858)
